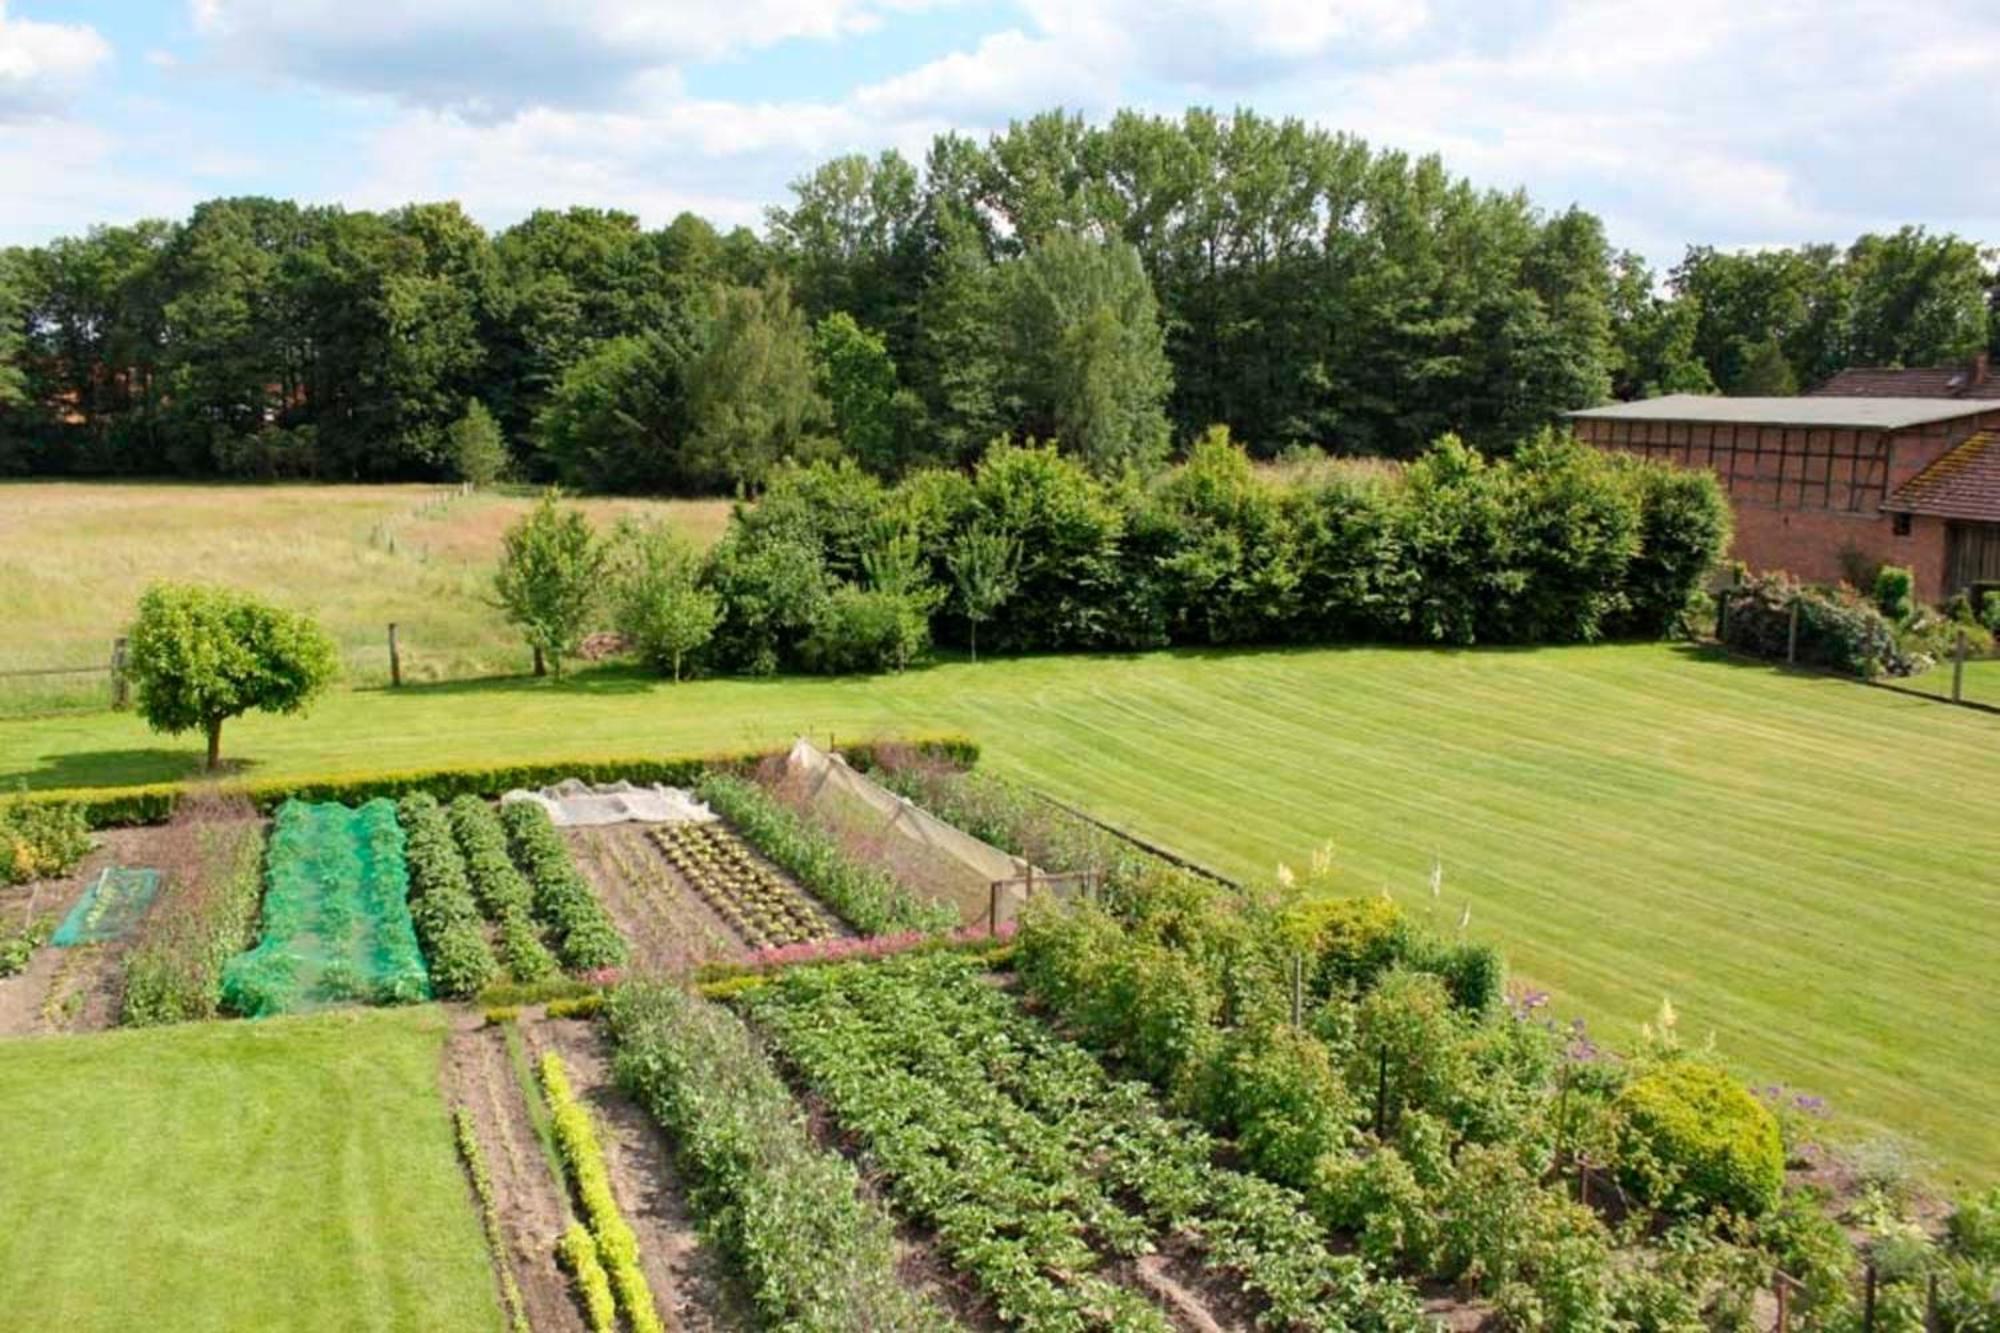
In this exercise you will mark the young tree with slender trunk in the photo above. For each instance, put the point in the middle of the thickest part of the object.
(985, 565)
(550, 563)
(202, 655)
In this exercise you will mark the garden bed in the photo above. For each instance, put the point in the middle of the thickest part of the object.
(667, 924)
(74, 989)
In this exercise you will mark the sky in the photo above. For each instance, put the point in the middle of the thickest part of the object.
(1726, 122)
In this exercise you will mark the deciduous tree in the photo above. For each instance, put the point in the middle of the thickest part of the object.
(548, 582)
(201, 655)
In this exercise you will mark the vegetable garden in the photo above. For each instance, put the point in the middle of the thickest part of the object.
(1179, 1104)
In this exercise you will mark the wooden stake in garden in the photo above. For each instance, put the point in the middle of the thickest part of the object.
(1792, 636)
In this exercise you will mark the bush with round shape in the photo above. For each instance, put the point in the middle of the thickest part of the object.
(1692, 1138)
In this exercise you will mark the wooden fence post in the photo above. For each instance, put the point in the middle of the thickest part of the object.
(1784, 1294)
(1868, 1299)
(1298, 989)
(1792, 636)
(121, 689)
(395, 658)
(1931, 1324)
(1958, 670)
(993, 907)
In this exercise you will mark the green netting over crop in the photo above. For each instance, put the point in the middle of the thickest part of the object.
(336, 916)
(110, 908)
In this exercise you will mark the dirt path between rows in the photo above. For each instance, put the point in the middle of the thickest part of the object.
(689, 1282)
(666, 923)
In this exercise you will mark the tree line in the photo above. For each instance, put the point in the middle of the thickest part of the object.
(834, 570)
(1117, 287)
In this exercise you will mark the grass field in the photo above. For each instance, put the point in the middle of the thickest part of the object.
(1802, 864)
(74, 557)
(285, 1174)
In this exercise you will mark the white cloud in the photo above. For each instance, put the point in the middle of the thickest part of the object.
(44, 65)
(1008, 74)
(63, 176)
(488, 61)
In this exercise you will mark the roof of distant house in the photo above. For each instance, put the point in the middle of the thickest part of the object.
(1889, 413)
(1964, 483)
(1973, 380)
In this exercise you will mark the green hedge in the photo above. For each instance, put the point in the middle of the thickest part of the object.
(153, 803)
(1692, 1138)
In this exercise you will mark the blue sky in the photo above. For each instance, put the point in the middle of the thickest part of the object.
(1728, 122)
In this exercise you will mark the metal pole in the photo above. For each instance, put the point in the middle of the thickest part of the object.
(395, 658)
(1958, 670)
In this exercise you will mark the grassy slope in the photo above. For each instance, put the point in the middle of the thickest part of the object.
(1800, 863)
(74, 557)
(286, 1174)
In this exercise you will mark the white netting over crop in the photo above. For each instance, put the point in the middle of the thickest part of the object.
(819, 778)
(572, 803)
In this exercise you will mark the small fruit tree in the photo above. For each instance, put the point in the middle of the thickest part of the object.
(201, 655)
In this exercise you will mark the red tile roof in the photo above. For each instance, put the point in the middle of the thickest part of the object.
(1963, 484)
(1966, 381)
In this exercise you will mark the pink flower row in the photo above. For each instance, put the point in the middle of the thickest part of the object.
(872, 946)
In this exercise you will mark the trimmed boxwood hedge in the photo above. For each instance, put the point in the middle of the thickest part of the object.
(113, 807)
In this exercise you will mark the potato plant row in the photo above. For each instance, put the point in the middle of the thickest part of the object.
(442, 907)
(585, 937)
(502, 891)
(762, 906)
(813, 1253)
(864, 896)
(583, 1161)
(1034, 1167)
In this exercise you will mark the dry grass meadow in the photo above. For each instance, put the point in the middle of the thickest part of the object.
(74, 557)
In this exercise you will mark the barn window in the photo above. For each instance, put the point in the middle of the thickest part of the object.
(1900, 525)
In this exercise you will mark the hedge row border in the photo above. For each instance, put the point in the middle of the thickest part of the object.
(153, 803)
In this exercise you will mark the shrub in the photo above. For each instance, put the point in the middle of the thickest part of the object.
(1973, 1230)
(1277, 1090)
(1838, 628)
(867, 629)
(498, 1015)
(1693, 1138)
(40, 839)
(1894, 593)
(1352, 941)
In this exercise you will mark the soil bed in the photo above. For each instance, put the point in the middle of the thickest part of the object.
(689, 1282)
(527, 1196)
(669, 928)
(77, 989)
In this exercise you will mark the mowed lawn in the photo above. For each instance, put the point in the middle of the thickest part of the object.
(1805, 866)
(74, 557)
(289, 1174)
